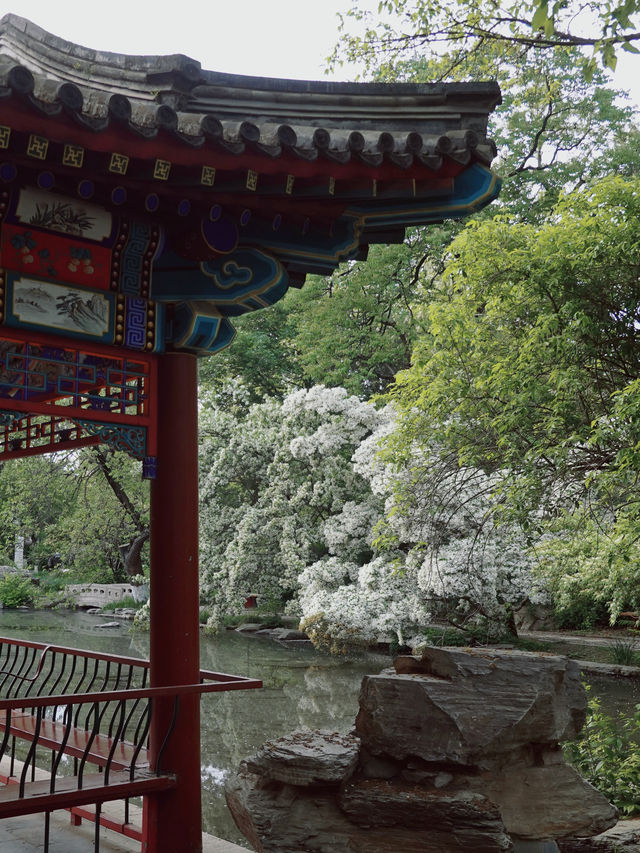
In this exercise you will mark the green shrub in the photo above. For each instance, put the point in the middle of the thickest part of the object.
(606, 754)
(52, 582)
(257, 615)
(623, 652)
(127, 601)
(16, 591)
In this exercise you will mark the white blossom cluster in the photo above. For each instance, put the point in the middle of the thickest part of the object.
(271, 478)
(298, 506)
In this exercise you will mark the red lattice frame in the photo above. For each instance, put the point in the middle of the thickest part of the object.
(99, 389)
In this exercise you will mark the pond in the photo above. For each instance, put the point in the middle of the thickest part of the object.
(301, 688)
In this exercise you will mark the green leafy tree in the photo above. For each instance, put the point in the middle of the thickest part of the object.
(606, 755)
(104, 537)
(86, 511)
(35, 493)
(356, 328)
(471, 26)
(530, 368)
(262, 357)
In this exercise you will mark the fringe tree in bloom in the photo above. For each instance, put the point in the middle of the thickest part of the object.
(299, 508)
(271, 478)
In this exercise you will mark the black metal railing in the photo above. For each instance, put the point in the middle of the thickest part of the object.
(91, 712)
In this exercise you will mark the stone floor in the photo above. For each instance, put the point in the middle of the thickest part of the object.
(26, 834)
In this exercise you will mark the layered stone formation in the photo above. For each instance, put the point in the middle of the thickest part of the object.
(457, 750)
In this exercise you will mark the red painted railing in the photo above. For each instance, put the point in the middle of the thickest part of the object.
(90, 714)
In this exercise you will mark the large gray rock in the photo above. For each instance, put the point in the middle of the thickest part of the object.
(545, 801)
(277, 818)
(479, 704)
(306, 757)
(458, 750)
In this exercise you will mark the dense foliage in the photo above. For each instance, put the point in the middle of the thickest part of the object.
(16, 591)
(298, 507)
(85, 513)
(606, 755)
(529, 370)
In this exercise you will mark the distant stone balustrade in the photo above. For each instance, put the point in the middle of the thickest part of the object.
(99, 594)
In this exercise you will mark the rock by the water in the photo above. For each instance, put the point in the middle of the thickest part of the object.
(279, 818)
(480, 703)
(288, 634)
(551, 801)
(456, 750)
(109, 625)
(622, 838)
(128, 613)
(307, 757)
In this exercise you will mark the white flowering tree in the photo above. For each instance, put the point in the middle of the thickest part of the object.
(299, 507)
(272, 476)
(472, 566)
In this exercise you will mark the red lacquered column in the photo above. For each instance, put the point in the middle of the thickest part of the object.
(173, 820)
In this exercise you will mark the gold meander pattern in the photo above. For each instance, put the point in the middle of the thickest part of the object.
(208, 176)
(38, 147)
(161, 170)
(73, 155)
(119, 164)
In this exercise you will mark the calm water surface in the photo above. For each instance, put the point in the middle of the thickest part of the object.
(301, 688)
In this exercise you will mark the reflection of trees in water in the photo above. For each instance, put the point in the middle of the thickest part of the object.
(302, 688)
(328, 698)
(311, 691)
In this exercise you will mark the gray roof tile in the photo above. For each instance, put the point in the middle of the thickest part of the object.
(339, 121)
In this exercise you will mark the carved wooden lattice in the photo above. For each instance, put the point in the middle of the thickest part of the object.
(56, 396)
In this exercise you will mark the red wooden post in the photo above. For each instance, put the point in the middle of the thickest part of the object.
(173, 820)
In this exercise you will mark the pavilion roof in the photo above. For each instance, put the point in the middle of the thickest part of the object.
(151, 96)
(191, 196)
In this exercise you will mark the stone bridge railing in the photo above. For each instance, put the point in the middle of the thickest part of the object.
(99, 594)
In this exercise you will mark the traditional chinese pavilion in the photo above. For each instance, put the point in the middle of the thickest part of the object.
(145, 203)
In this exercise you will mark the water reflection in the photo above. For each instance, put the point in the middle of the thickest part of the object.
(301, 688)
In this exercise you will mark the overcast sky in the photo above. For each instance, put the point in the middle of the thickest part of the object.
(268, 38)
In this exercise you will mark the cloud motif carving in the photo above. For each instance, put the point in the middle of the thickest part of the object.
(231, 274)
(248, 274)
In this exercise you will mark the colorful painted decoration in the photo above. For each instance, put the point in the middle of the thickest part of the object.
(61, 397)
(58, 307)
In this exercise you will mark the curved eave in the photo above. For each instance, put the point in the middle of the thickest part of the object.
(248, 184)
(152, 96)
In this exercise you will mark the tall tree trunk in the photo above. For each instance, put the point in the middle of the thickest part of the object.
(131, 553)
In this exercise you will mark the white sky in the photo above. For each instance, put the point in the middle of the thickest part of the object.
(267, 38)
